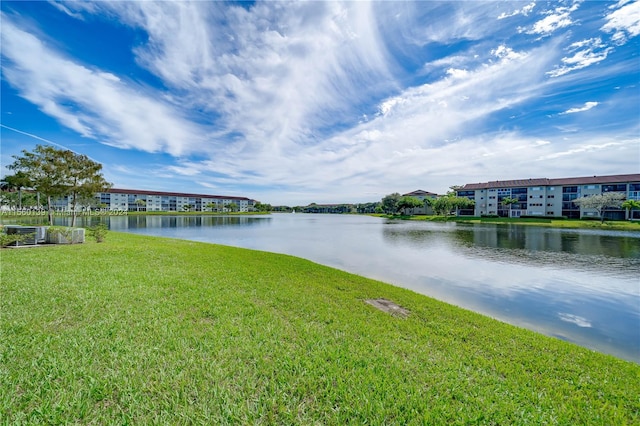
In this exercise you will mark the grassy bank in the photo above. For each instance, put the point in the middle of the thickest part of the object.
(618, 225)
(146, 330)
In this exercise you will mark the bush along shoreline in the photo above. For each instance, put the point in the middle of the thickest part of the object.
(146, 330)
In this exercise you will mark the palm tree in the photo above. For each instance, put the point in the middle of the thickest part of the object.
(508, 201)
(630, 205)
(140, 203)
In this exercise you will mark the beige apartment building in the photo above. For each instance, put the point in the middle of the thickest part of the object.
(549, 197)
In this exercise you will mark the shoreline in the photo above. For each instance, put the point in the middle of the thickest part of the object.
(542, 222)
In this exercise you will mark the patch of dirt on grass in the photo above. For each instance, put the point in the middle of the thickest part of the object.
(389, 307)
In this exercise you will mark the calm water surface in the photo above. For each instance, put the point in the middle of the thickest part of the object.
(582, 286)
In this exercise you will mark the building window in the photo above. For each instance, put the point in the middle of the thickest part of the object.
(622, 187)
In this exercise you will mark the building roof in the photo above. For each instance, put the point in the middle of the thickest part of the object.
(420, 193)
(172, 194)
(550, 182)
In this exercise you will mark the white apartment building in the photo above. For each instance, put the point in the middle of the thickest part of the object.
(549, 197)
(133, 200)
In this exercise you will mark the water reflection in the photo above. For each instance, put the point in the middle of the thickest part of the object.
(578, 286)
(120, 223)
(136, 222)
(612, 254)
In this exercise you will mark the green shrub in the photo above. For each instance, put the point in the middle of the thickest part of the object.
(63, 231)
(98, 232)
(7, 240)
(12, 239)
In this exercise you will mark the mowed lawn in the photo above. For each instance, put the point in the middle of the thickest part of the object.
(143, 330)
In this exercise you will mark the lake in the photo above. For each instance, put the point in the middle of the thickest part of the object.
(582, 286)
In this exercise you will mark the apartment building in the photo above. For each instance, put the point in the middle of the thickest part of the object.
(549, 197)
(421, 195)
(133, 200)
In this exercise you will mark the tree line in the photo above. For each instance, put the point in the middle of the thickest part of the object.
(52, 173)
(396, 204)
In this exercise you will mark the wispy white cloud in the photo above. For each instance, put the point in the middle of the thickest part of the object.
(585, 53)
(558, 18)
(457, 73)
(524, 11)
(589, 147)
(624, 21)
(587, 106)
(93, 103)
(184, 170)
(273, 73)
(417, 24)
(447, 62)
(61, 7)
(421, 132)
(504, 52)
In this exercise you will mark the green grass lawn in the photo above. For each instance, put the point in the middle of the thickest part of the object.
(141, 330)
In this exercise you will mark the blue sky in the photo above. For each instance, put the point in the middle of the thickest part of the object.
(300, 102)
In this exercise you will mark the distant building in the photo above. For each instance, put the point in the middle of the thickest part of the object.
(422, 196)
(157, 201)
(548, 197)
